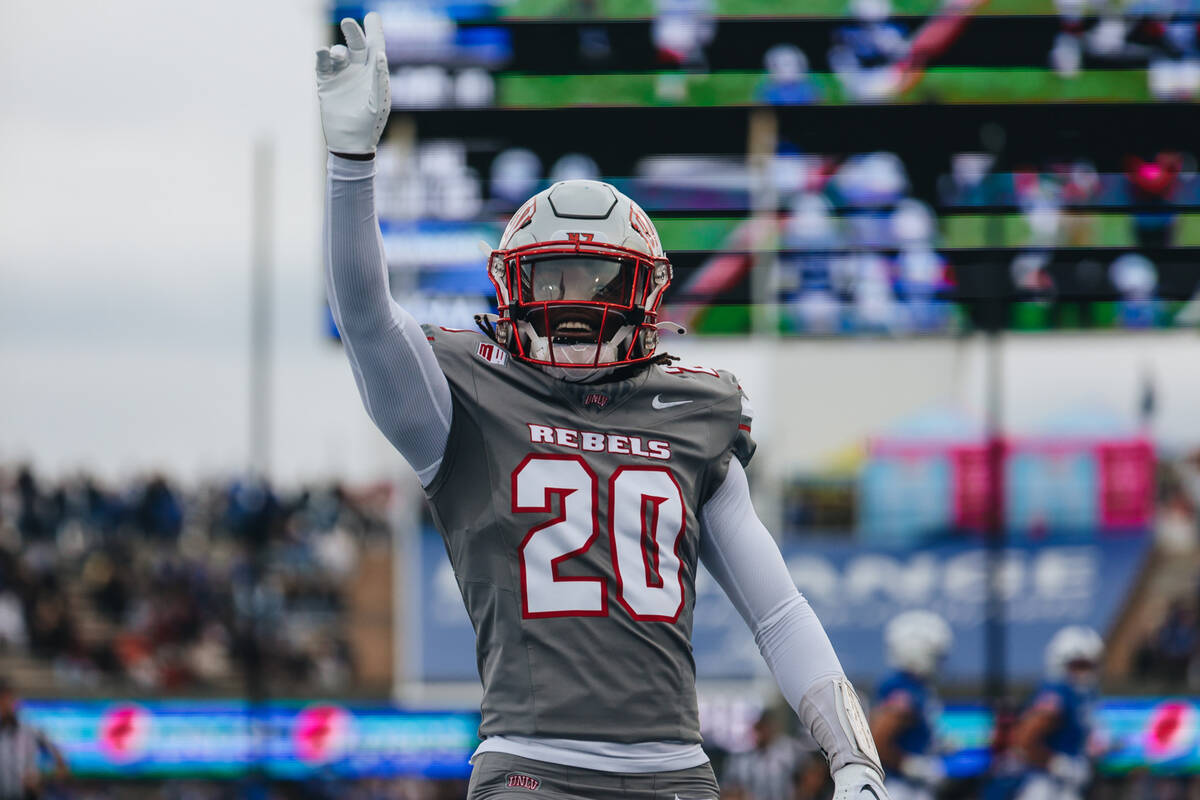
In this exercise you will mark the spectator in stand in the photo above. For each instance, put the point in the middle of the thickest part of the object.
(1171, 653)
(107, 587)
(12, 621)
(158, 511)
(1178, 640)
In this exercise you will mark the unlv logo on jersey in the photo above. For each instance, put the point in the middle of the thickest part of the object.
(492, 353)
(518, 781)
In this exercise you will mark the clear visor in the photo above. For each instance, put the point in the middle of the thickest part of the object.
(590, 279)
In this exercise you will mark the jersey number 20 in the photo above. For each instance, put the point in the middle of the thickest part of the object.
(645, 529)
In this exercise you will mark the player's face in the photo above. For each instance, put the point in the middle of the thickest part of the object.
(578, 280)
(1082, 673)
(600, 280)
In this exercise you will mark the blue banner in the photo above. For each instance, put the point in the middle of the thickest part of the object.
(225, 738)
(855, 590)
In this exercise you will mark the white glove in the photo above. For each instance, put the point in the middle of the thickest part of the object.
(926, 770)
(856, 782)
(353, 87)
(1071, 770)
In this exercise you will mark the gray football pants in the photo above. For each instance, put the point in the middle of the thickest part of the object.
(500, 776)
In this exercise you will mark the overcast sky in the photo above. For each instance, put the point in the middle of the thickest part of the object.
(125, 149)
(125, 146)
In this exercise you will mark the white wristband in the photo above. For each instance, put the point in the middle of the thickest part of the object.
(831, 711)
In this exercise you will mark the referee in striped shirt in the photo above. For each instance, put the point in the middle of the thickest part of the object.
(20, 778)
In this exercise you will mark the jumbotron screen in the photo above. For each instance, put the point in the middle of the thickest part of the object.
(828, 168)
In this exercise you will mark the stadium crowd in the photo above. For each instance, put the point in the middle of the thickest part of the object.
(149, 586)
(1170, 654)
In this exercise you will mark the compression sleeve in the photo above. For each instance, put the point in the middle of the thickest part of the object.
(740, 553)
(398, 377)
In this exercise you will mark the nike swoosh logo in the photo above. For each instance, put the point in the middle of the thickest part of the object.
(658, 403)
(863, 792)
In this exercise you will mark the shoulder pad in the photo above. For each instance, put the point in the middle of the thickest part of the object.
(719, 387)
(464, 343)
(702, 381)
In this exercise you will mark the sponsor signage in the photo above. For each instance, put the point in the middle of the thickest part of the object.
(855, 589)
(226, 738)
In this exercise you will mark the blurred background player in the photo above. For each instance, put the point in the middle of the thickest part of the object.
(906, 707)
(1052, 734)
(778, 767)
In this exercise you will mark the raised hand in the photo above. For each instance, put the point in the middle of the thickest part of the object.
(353, 88)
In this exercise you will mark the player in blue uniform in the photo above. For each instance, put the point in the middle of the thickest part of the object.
(1052, 734)
(906, 705)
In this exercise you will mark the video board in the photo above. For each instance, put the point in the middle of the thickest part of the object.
(844, 167)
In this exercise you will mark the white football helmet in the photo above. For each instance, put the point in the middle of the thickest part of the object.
(917, 641)
(1073, 645)
(579, 275)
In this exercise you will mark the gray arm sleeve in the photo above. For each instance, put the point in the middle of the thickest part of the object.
(398, 378)
(741, 554)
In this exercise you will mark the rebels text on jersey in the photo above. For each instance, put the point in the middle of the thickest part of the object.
(569, 512)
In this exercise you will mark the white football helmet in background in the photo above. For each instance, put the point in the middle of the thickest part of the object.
(1073, 645)
(917, 641)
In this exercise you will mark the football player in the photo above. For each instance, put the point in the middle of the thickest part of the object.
(577, 477)
(1052, 734)
(906, 706)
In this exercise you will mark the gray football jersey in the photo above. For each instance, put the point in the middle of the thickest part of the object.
(569, 512)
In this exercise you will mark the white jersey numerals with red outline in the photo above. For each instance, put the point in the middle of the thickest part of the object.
(646, 522)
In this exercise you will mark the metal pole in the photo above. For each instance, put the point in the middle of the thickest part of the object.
(261, 311)
(995, 647)
(762, 142)
(995, 309)
(258, 528)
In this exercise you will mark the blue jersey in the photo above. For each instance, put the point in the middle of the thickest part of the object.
(873, 44)
(909, 693)
(1074, 709)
